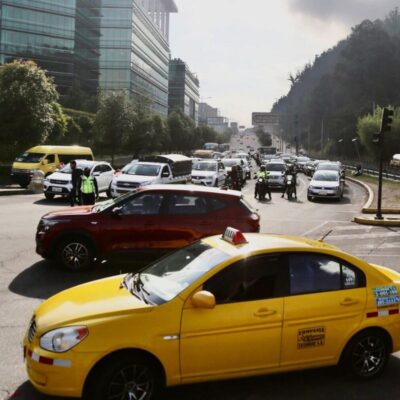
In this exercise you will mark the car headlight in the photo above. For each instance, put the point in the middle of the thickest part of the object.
(63, 339)
(46, 224)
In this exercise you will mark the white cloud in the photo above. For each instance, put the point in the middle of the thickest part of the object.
(243, 51)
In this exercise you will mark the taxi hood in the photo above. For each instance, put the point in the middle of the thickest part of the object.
(90, 301)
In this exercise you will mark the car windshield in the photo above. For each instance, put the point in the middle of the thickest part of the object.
(68, 170)
(230, 163)
(326, 176)
(328, 167)
(144, 170)
(205, 166)
(167, 278)
(30, 158)
(275, 167)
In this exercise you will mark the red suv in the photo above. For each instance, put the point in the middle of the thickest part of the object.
(153, 218)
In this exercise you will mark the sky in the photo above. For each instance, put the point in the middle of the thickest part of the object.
(244, 50)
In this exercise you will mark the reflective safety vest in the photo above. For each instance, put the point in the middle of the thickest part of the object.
(263, 174)
(87, 185)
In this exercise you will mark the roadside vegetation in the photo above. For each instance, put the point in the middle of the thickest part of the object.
(32, 112)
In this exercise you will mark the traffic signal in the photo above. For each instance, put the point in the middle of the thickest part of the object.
(387, 120)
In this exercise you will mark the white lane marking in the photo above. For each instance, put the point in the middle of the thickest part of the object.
(366, 236)
(353, 227)
(315, 229)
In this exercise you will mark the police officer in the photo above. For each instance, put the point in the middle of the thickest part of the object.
(263, 174)
(88, 188)
(75, 178)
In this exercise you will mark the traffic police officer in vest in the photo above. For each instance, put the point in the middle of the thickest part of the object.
(89, 189)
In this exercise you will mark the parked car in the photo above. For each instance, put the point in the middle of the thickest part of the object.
(159, 218)
(153, 170)
(326, 184)
(276, 169)
(208, 173)
(232, 305)
(60, 184)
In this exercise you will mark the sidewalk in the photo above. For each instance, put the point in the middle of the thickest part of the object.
(390, 203)
(9, 190)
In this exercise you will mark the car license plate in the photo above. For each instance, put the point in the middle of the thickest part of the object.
(323, 192)
(56, 189)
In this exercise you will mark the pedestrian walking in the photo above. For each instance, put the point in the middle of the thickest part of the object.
(76, 174)
(88, 188)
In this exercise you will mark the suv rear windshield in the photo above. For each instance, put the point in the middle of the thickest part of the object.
(275, 167)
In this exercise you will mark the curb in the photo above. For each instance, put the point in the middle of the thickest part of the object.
(373, 222)
(371, 196)
(13, 192)
(384, 211)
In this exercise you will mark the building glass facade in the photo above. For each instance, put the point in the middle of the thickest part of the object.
(60, 35)
(134, 49)
(183, 89)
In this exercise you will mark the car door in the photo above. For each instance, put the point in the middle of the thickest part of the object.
(242, 334)
(135, 224)
(107, 175)
(325, 307)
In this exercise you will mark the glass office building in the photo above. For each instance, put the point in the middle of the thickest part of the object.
(184, 92)
(62, 36)
(134, 48)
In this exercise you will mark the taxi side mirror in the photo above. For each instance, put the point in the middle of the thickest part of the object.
(45, 162)
(204, 299)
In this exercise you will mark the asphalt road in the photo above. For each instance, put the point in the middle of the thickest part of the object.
(26, 280)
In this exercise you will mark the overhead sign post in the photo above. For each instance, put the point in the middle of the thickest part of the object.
(263, 118)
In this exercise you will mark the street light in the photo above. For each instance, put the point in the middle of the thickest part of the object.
(355, 141)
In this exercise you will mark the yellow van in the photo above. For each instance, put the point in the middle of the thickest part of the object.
(46, 159)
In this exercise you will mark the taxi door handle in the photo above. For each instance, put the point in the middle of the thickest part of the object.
(349, 302)
(264, 312)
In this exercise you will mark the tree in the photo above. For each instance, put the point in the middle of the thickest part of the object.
(113, 121)
(182, 131)
(28, 105)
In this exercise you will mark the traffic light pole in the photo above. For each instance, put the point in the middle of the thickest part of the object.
(379, 215)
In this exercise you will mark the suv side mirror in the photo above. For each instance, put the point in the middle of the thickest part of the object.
(45, 161)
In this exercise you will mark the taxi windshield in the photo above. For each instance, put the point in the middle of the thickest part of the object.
(168, 277)
(30, 157)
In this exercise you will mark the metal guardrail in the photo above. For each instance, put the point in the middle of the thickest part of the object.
(372, 172)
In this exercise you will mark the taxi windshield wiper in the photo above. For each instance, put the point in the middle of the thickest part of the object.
(138, 287)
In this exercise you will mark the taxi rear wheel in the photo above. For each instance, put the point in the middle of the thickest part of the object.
(130, 376)
(367, 354)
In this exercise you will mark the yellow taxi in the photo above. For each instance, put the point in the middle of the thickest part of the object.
(224, 307)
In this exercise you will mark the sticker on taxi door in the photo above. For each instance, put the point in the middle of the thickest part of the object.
(311, 337)
(386, 296)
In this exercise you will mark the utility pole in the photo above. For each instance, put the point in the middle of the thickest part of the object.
(322, 136)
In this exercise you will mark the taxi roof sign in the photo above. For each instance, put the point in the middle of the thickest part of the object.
(234, 236)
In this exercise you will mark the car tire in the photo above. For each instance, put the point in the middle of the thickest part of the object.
(367, 354)
(309, 198)
(108, 192)
(125, 376)
(49, 196)
(75, 253)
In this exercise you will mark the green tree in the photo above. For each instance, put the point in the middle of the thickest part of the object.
(28, 110)
(182, 131)
(370, 125)
(113, 121)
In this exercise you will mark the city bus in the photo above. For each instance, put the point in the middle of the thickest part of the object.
(267, 151)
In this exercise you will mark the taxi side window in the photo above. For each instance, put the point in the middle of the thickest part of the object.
(316, 273)
(51, 158)
(256, 278)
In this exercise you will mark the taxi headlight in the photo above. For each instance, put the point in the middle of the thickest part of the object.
(63, 339)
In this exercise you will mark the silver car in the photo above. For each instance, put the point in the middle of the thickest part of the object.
(326, 184)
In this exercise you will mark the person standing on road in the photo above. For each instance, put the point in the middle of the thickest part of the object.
(75, 178)
(88, 188)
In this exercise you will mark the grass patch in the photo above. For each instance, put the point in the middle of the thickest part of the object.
(372, 179)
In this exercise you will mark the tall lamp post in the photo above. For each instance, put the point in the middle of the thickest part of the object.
(355, 141)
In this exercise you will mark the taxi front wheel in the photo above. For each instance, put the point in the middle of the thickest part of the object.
(125, 377)
(366, 355)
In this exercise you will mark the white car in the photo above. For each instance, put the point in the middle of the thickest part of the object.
(59, 183)
(277, 170)
(208, 173)
(326, 184)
